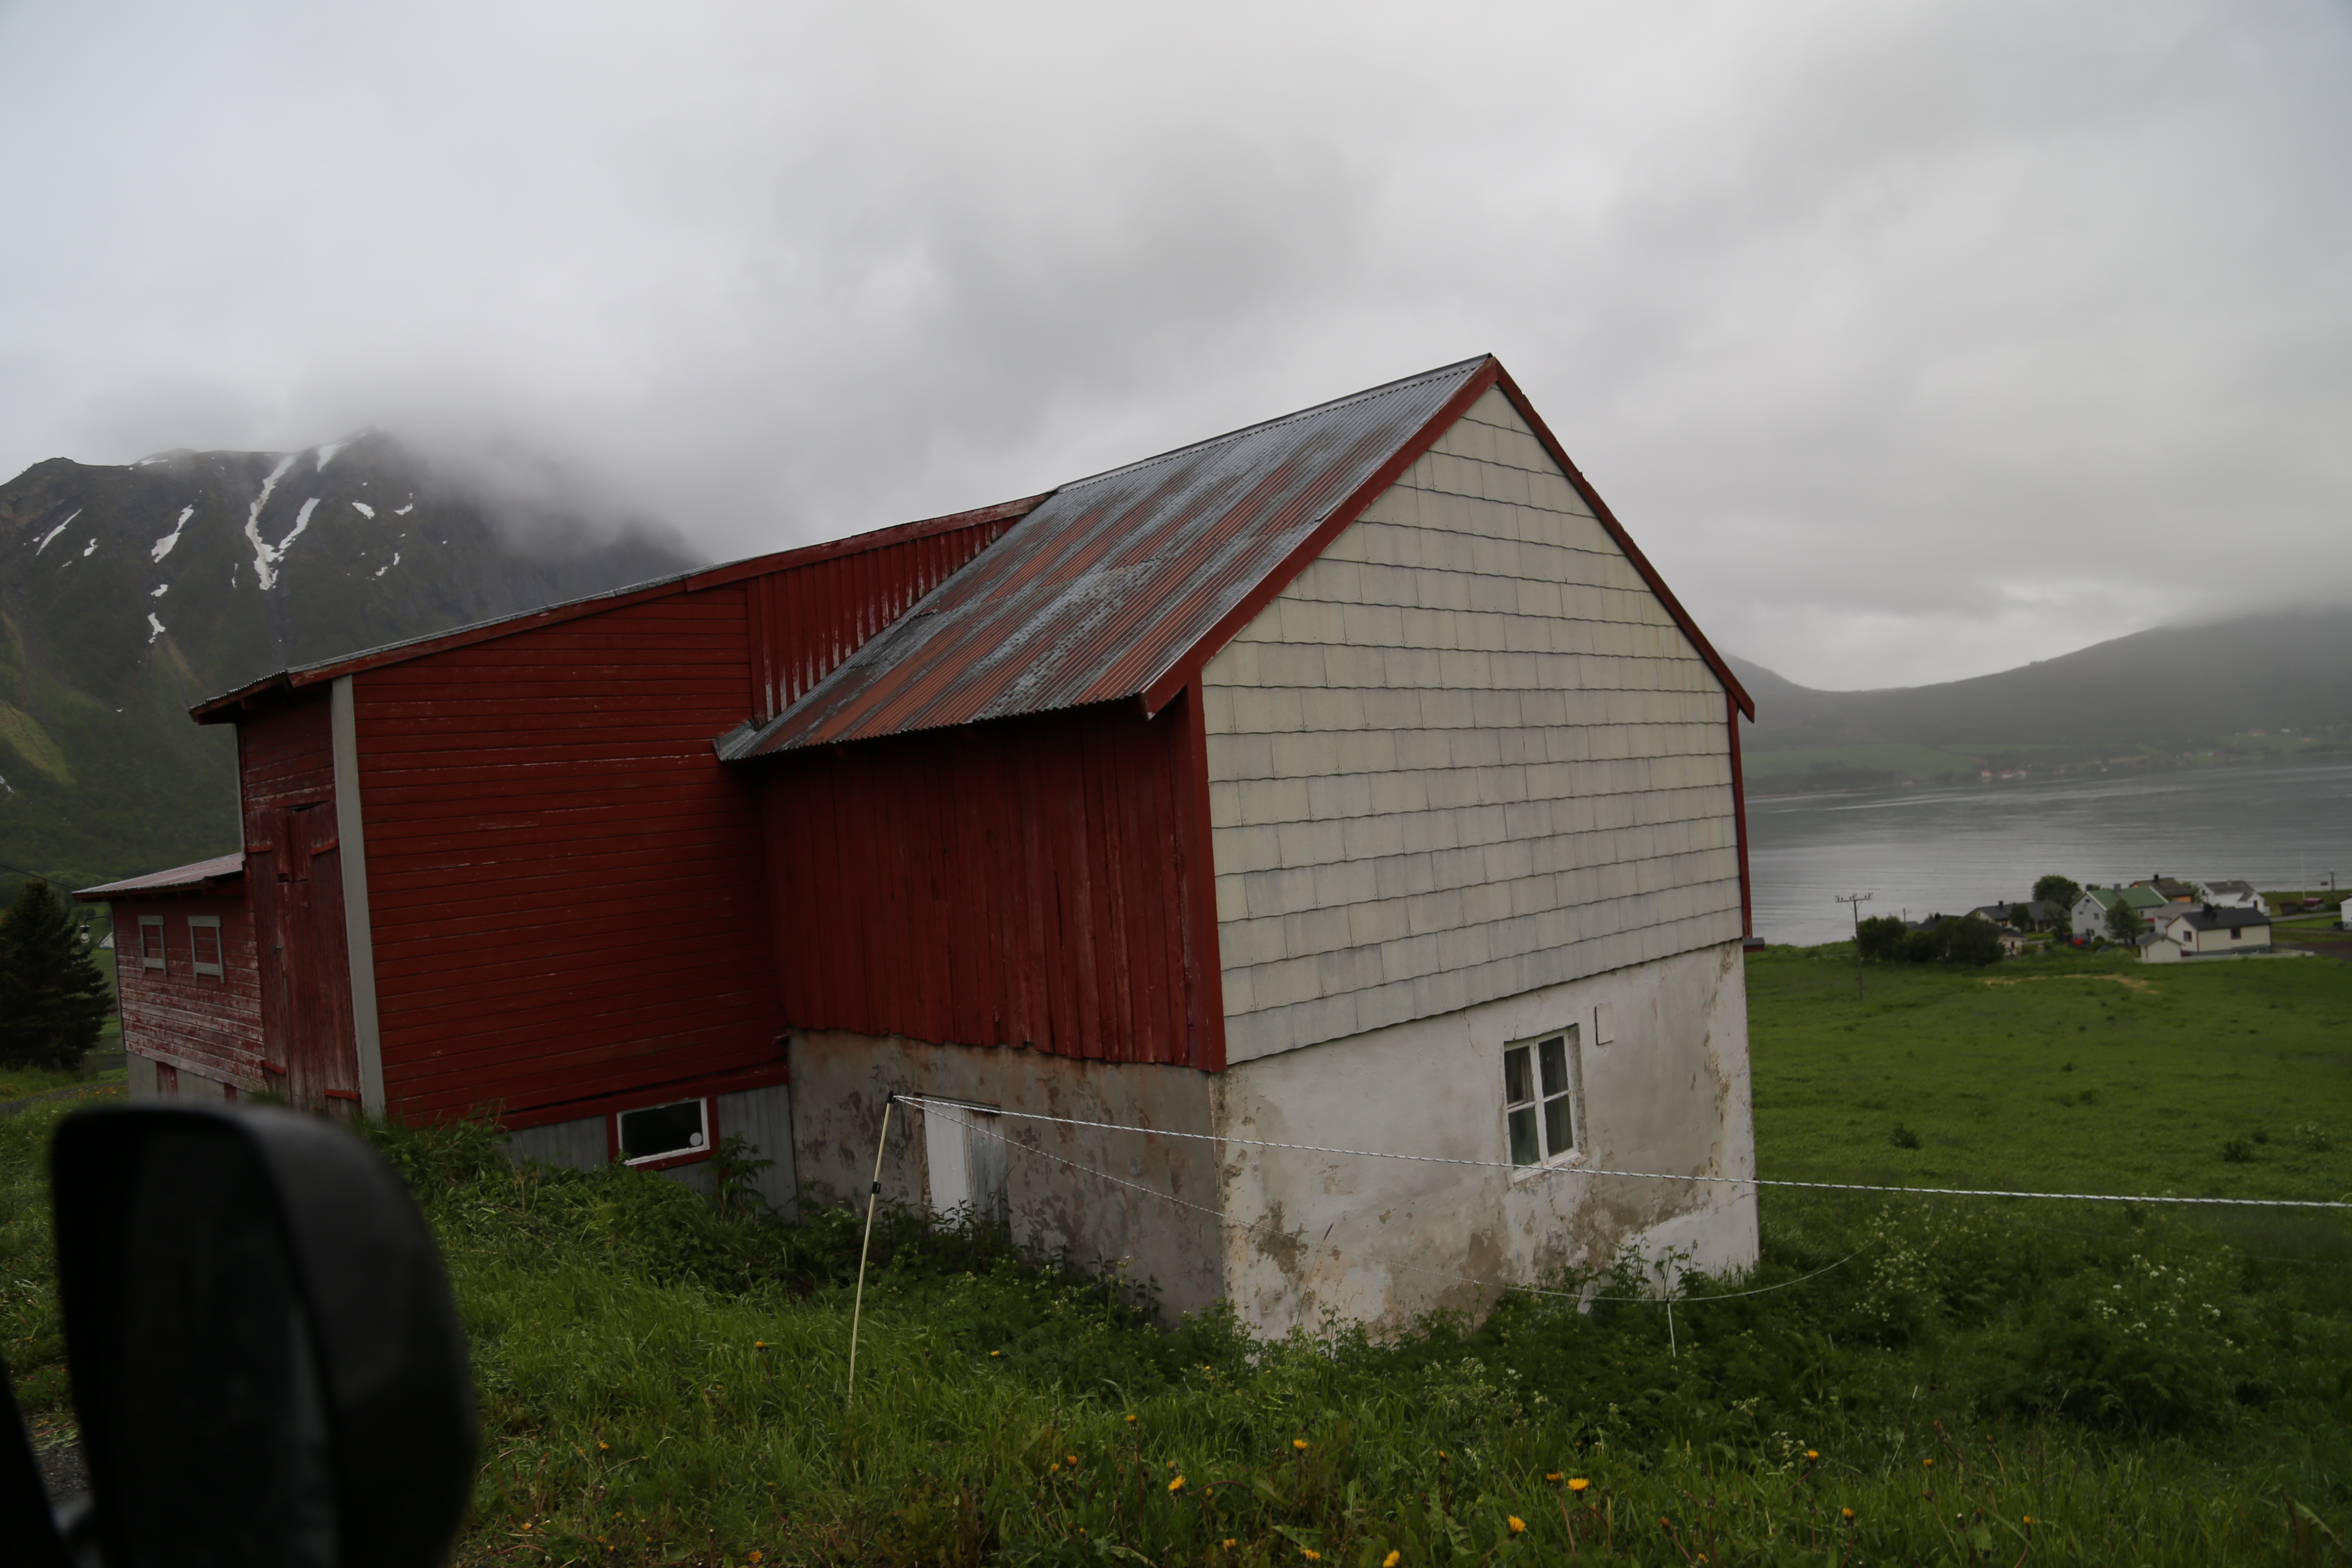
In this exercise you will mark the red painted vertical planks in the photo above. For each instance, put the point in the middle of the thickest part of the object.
(1001, 884)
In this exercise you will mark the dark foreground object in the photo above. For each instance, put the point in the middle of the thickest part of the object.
(267, 1365)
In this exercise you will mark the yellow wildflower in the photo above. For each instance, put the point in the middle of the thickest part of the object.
(1518, 1525)
(1578, 1483)
(993, 1354)
(1130, 1418)
(1846, 1512)
(1299, 1444)
(1812, 1453)
(1551, 1475)
(1229, 1543)
(1071, 1461)
(1055, 1469)
(1177, 1485)
(1311, 1555)
(1392, 1560)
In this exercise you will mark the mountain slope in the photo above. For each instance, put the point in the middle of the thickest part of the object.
(129, 593)
(2167, 691)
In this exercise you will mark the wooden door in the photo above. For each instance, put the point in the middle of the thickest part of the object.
(305, 960)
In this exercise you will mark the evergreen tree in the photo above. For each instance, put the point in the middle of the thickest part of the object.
(53, 999)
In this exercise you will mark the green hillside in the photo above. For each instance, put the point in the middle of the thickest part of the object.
(127, 593)
(2262, 688)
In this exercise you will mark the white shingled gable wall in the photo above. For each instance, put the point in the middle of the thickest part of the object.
(1466, 754)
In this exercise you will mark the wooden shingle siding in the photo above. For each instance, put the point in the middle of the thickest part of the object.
(1466, 754)
(206, 1025)
(1018, 883)
(564, 881)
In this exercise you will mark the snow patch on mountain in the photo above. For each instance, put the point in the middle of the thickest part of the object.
(163, 545)
(154, 630)
(327, 453)
(61, 528)
(389, 565)
(161, 591)
(265, 555)
(90, 549)
(404, 511)
(364, 510)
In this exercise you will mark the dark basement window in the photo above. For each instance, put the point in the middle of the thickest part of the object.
(680, 1130)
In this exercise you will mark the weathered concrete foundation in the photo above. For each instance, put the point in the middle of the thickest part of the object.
(1103, 1196)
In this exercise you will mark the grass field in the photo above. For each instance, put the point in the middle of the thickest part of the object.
(1977, 1381)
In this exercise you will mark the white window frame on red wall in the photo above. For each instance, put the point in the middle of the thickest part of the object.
(160, 959)
(219, 967)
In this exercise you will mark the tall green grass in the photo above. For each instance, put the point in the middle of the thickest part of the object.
(662, 1384)
(663, 1379)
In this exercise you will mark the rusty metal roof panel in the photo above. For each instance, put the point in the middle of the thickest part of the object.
(204, 876)
(1107, 585)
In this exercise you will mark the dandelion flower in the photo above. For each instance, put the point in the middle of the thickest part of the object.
(1299, 1444)
(1229, 1543)
(993, 1354)
(601, 1448)
(1392, 1560)
(1812, 1453)
(2029, 1519)
(1071, 1461)
(759, 1345)
(1130, 1418)
(1578, 1483)
(1054, 1468)
(1846, 1513)
(1551, 1475)
(1177, 1485)
(755, 1557)
(1518, 1525)
(1927, 1462)
(1311, 1555)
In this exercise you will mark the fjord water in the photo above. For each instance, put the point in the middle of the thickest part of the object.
(1948, 850)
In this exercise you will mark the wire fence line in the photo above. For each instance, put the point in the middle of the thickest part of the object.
(962, 1117)
(925, 1100)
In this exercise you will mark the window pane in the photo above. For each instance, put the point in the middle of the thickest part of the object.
(1523, 1135)
(1560, 1132)
(662, 1130)
(1555, 1066)
(1515, 1086)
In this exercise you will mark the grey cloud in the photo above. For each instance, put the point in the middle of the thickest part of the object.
(1911, 341)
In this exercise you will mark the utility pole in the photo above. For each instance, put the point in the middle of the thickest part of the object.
(1856, 900)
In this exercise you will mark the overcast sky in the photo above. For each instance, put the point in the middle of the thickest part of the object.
(1912, 341)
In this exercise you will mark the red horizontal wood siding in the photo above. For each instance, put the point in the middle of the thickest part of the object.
(1023, 883)
(564, 882)
(566, 887)
(202, 1023)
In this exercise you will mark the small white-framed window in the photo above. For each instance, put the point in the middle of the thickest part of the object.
(1540, 1078)
(654, 1134)
(205, 954)
(150, 942)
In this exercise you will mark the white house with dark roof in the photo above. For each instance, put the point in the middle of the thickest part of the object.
(2206, 930)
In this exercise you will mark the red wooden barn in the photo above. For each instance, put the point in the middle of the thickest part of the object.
(1351, 780)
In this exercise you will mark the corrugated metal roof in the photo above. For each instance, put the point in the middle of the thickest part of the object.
(1107, 586)
(178, 879)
